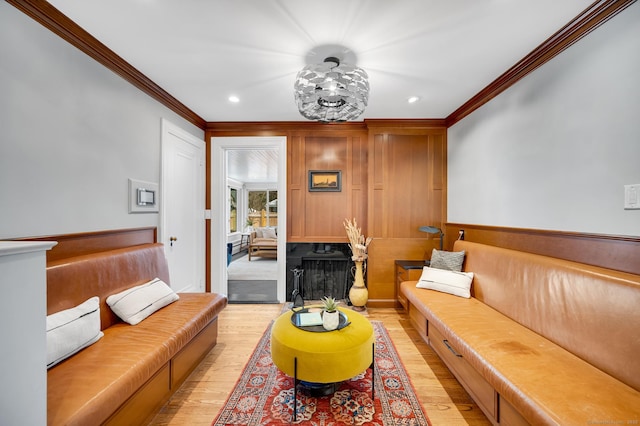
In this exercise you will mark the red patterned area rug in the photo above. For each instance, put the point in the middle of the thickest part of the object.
(264, 395)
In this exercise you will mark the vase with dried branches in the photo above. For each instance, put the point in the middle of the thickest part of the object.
(358, 294)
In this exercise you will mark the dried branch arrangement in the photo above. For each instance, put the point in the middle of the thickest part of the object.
(357, 241)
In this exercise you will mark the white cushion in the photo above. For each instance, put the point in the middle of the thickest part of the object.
(136, 303)
(452, 282)
(269, 233)
(73, 329)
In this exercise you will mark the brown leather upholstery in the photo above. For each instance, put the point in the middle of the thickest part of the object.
(91, 385)
(590, 311)
(554, 338)
(73, 280)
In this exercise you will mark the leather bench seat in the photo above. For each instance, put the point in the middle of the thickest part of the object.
(93, 384)
(541, 340)
(544, 382)
(127, 375)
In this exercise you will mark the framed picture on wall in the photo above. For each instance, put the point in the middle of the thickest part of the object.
(325, 180)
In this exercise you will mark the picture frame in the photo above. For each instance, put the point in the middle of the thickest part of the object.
(325, 180)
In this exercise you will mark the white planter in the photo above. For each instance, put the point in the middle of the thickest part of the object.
(330, 320)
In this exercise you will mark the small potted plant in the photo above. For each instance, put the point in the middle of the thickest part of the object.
(330, 314)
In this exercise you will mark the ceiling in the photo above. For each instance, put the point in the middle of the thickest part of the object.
(203, 51)
(253, 165)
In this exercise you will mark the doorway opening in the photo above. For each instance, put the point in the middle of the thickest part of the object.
(246, 200)
(253, 230)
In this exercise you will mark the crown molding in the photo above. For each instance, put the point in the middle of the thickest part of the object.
(272, 128)
(50, 17)
(409, 123)
(587, 21)
(280, 128)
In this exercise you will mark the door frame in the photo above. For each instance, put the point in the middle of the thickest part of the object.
(219, 147)
(170, 129)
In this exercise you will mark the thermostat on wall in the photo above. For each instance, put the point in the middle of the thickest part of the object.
(146, 197)
(143, 196)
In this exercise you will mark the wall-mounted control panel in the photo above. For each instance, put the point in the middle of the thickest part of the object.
(143, 196)
(146, 197)
(632, 197)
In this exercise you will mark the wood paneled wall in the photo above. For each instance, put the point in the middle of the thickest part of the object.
(408, 183)
(319, 216)
(407, 178)
(315, 216)
(393, 182)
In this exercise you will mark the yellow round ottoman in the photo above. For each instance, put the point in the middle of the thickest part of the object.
(328, 357)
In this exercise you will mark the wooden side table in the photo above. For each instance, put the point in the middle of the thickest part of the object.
(407, 270)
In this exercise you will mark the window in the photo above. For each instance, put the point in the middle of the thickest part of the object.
(233, 210)
(263, 208)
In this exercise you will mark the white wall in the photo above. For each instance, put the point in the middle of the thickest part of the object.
(71, 134)
(554, 151)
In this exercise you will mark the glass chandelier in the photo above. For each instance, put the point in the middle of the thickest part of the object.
(331, 91)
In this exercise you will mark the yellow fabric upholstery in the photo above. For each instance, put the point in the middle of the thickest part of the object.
(323, 357)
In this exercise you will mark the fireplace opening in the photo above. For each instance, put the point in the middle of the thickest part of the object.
(316, 270)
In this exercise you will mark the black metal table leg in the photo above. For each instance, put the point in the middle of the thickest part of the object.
(295, 388)
(373, 371)
(296, 381)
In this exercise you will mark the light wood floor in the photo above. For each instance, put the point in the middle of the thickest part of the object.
(240, 327)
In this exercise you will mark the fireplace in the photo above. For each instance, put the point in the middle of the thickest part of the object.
(316, 270)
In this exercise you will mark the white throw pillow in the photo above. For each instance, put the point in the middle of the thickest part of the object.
(73, 329)
(136, 303)
(269, 233)
(452, 282)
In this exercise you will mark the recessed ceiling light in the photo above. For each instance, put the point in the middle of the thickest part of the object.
(234, 99)
(413, 99)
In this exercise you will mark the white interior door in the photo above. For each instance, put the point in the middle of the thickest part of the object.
(182, 208)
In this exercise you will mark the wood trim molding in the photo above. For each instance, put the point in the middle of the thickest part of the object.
(406, 124)
(71, 245)
(616, 252)
(51, 18)
(592, 17)
(279, 128)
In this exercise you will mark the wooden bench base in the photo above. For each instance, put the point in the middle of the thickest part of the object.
(263, 250)
(145, 403)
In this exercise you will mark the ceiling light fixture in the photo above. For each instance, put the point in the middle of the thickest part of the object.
(331, 91)
(413, 99)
